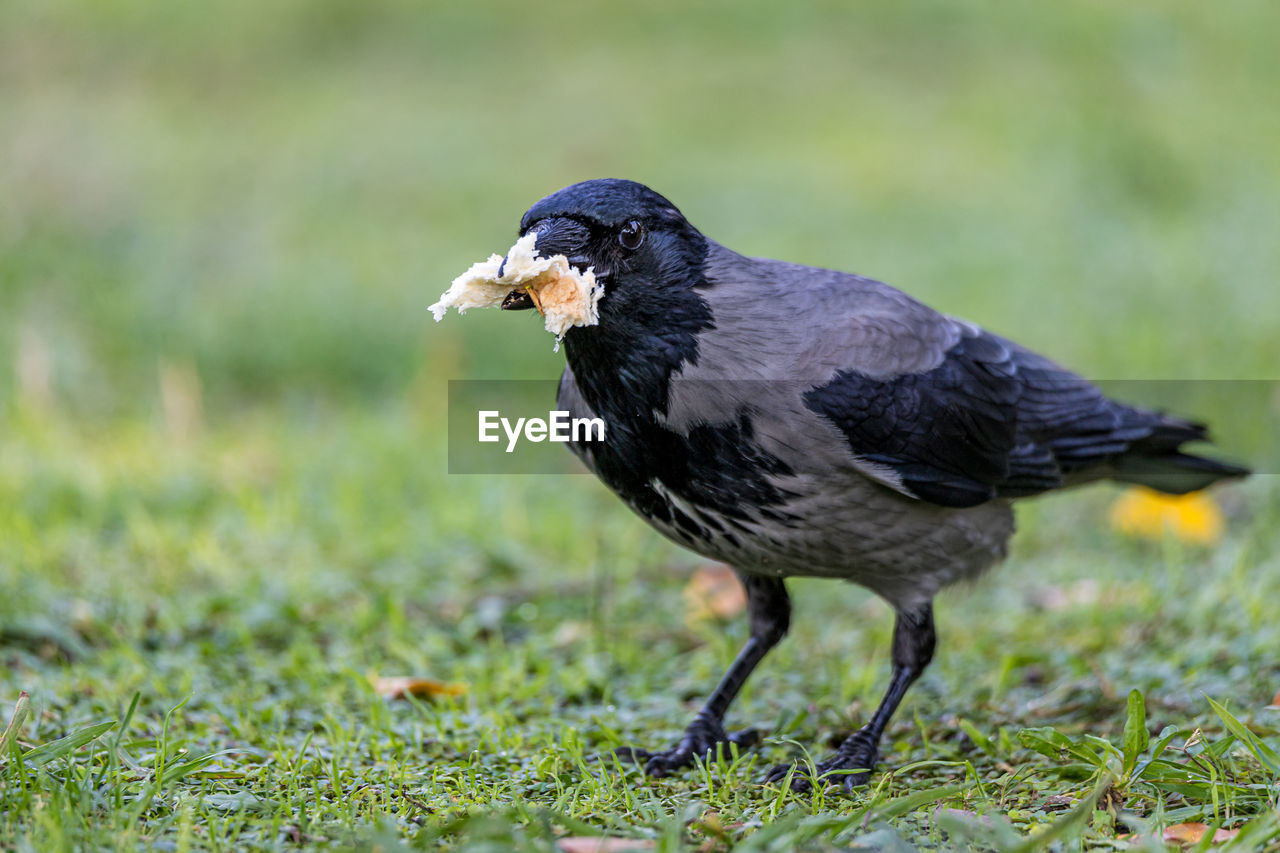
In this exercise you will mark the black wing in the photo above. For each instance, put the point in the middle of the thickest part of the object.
(996, 420)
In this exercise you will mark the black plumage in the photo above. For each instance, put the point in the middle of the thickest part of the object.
(790, 420)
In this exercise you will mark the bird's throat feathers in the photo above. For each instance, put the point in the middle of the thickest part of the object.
(648, 330)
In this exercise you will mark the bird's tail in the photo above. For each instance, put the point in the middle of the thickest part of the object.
(1158, 462)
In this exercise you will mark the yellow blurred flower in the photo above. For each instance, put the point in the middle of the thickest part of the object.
(1149, 514)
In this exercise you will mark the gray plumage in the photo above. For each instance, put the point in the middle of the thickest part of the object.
(795, 421)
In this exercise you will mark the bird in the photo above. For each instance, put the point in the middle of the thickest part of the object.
(793, 421)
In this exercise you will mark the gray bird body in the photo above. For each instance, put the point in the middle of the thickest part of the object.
(780, 329)
(796, 421)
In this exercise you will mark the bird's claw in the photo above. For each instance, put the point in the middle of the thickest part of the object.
(701, 740)
(849, 768)
(630, 754)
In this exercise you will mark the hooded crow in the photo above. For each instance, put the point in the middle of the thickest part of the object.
(795, 421)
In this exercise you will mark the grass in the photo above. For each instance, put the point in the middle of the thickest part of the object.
(223, 499)
(241, 586)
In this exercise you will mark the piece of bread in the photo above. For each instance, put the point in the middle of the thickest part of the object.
(564, 296)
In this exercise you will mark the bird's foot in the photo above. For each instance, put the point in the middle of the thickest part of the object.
(849, 768)
(701, 740)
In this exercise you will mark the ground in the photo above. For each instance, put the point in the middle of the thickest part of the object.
(224, 506)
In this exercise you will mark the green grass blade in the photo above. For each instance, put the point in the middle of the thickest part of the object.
(53, 750)
(1136, 736)
(20, 710)
(1266, 755)
(901, 805)
(176, 771)
(1072, 819)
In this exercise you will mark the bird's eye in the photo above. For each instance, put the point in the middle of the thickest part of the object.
(631, 235)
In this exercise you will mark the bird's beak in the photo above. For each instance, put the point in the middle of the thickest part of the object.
(557, 236)
(517, 300)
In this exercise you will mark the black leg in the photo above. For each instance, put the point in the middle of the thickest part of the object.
(770, 610)
(913, 644)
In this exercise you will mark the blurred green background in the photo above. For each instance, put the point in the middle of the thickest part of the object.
(273, 193)
(222, 427)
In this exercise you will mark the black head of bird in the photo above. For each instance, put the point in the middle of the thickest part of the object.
(640, 246)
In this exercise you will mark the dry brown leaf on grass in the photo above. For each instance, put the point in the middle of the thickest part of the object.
(713, 592)
(1187, 834)
(602, 844)
(401, 686)
(1058, 803)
